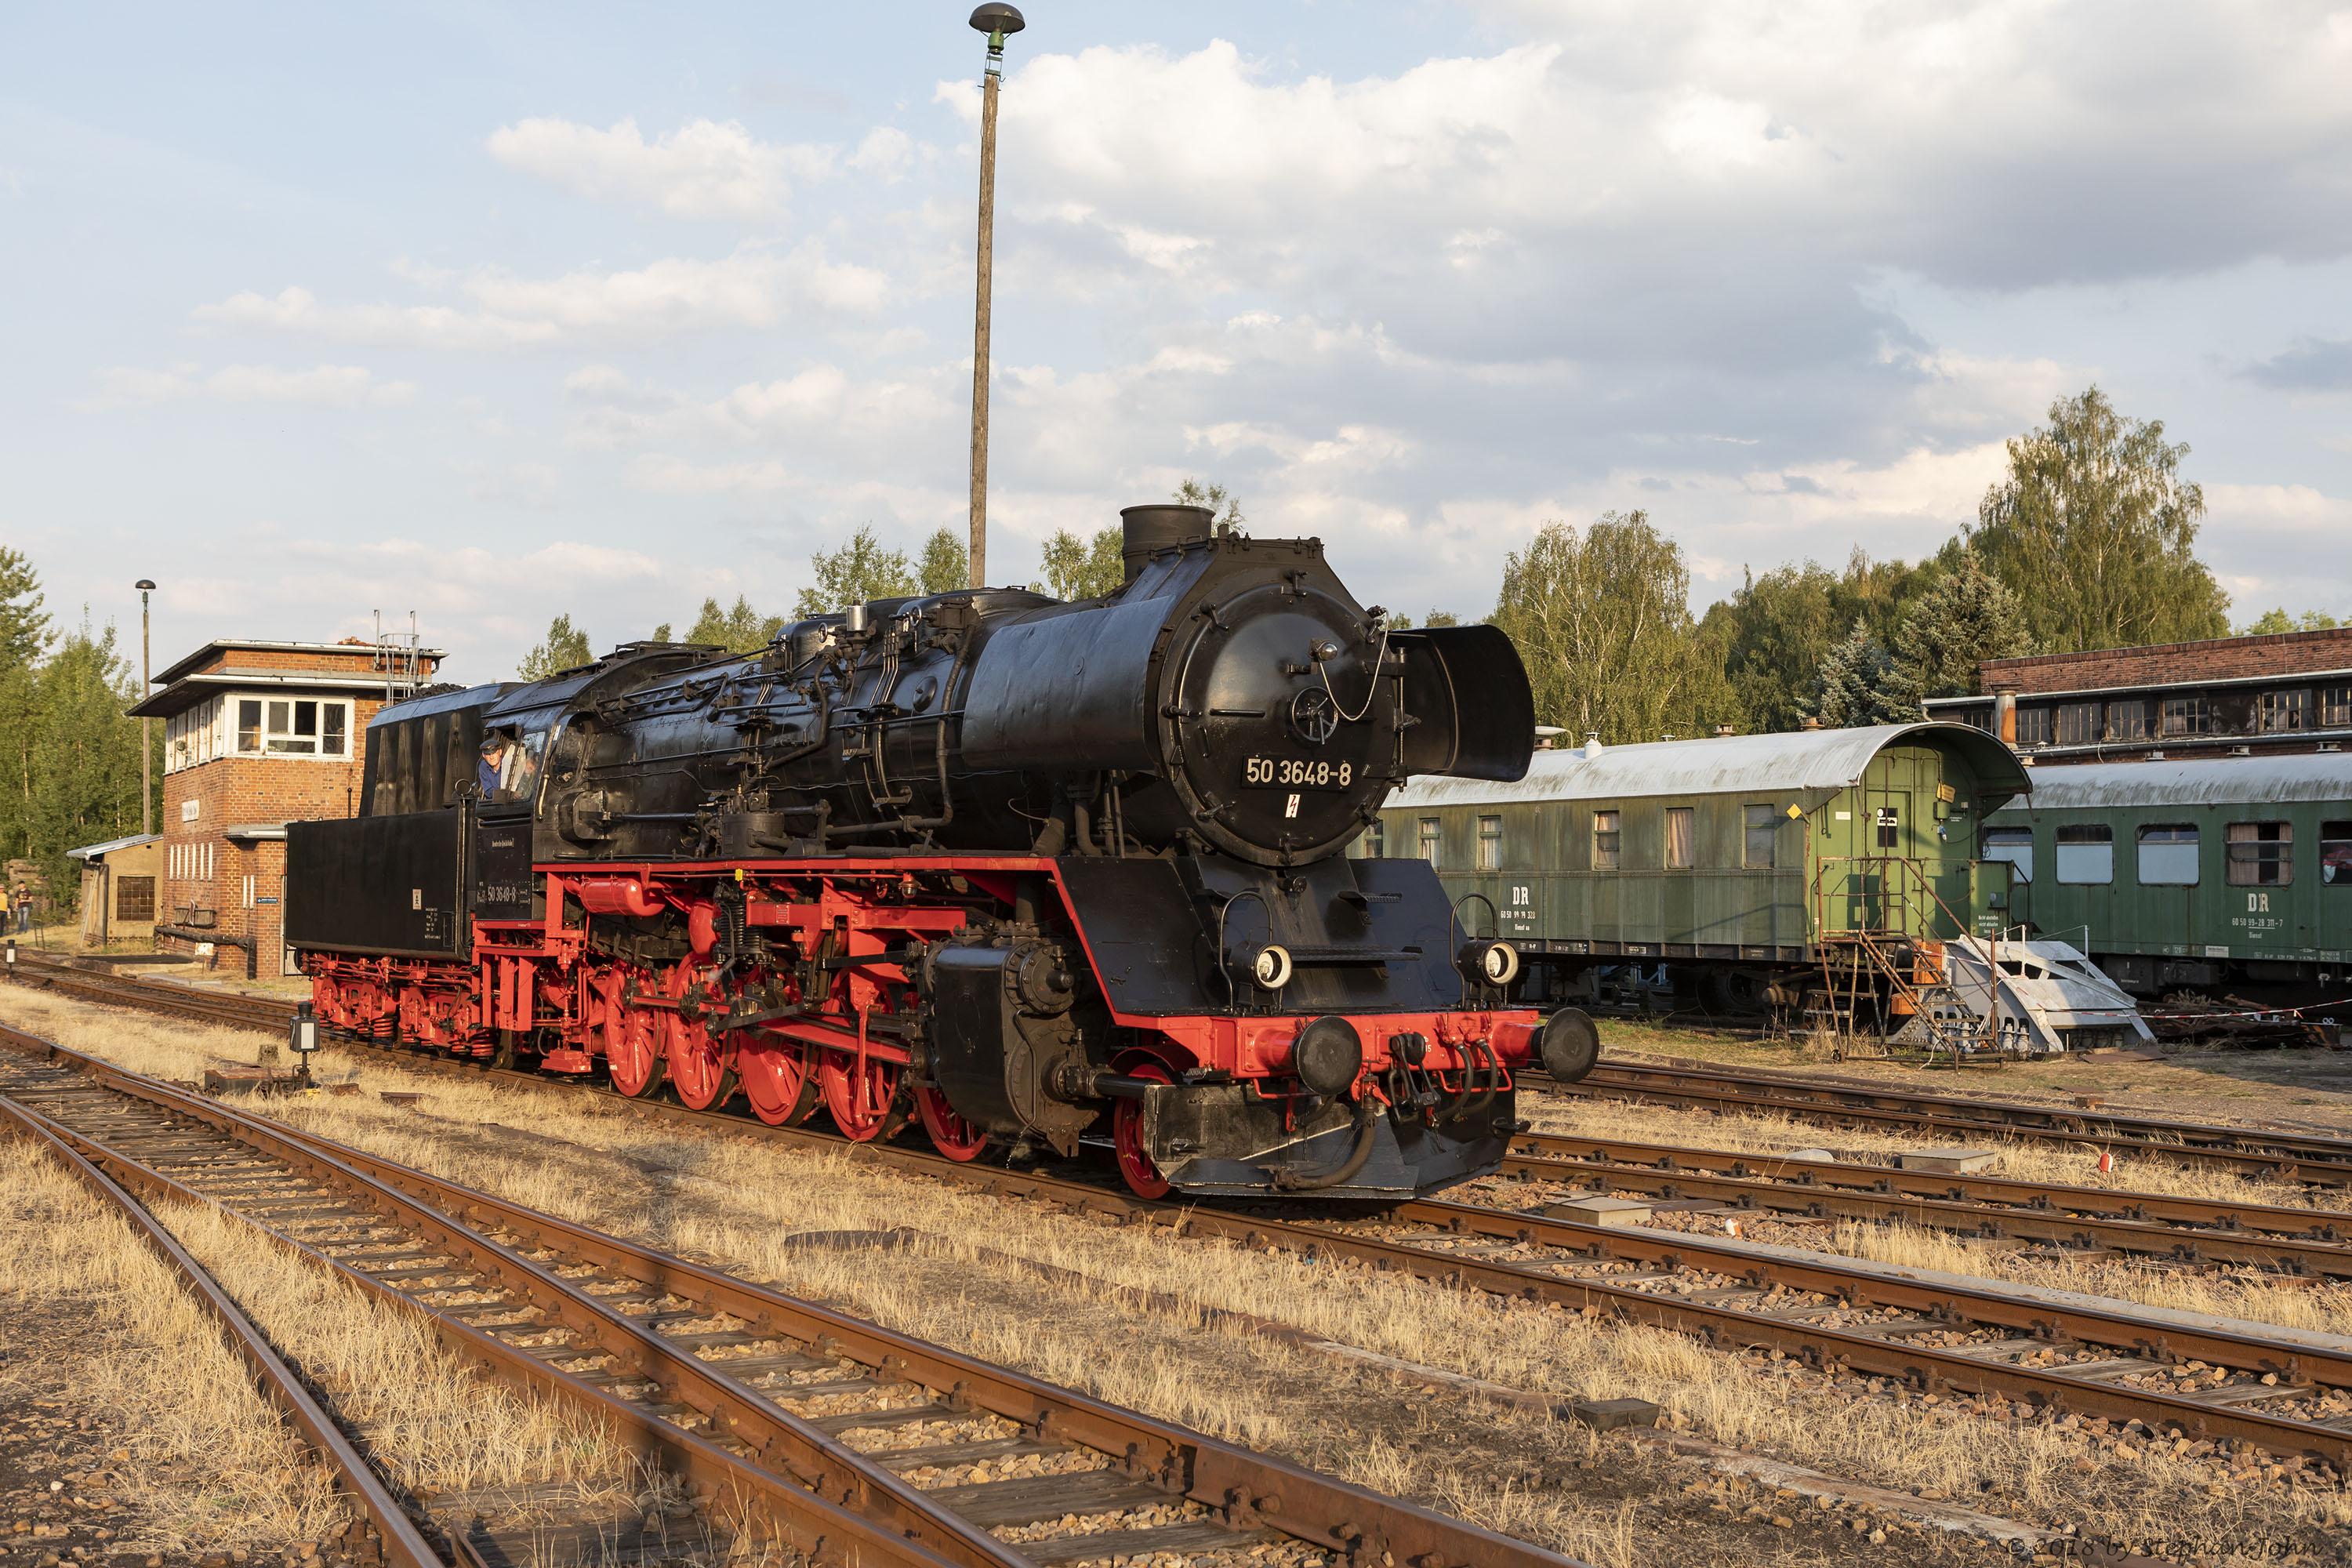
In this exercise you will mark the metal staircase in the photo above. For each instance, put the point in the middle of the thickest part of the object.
(1859, 957)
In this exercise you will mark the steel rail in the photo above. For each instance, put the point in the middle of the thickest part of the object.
(2039, 1324)
(2304, 1243)
(2031, 1324)
(2249, 1151)
(1248, 1493)
(393, 1532)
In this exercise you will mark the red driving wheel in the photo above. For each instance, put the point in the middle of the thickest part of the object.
(699, 1067)
(1135, 1163)
(859, 1100)
(632, 1054)
(951, 1133)
(777, 1081)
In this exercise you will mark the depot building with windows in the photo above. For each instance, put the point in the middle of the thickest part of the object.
(257, 735)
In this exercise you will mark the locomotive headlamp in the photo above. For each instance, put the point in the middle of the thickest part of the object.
(1326, 1056)
(1488, 963)
(1270, 969)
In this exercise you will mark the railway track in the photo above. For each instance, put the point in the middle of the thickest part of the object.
(2307, 1158)
(2285, 1394)
(384, 1533)
(792, 1427)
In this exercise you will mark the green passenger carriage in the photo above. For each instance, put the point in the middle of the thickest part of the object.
(2197, 875)
(1759, 867)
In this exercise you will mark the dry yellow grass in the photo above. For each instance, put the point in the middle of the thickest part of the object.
(735, 1199)
(210, 1465)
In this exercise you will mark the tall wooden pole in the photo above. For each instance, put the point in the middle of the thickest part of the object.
(996, 21)
(146, 746)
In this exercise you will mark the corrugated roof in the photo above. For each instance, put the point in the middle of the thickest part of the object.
(1817, 762)
(2221, 781)
(99, 851)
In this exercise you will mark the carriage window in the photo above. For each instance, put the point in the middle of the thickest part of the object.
(1889, 826)
(2086, 854)
(1490, 844)
(1376, 840)
(2186, 716)
(1682, 837)
(2014, 845)
(2167, 855)
(2262, 853)
(2335, 854)
(1604, 841)
(2033, 726)
(1429, 840)
(1761, 824)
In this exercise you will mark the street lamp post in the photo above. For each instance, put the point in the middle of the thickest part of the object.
(998, 21)
(146, 747)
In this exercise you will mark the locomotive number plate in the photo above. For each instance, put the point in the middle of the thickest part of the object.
(1295, 772)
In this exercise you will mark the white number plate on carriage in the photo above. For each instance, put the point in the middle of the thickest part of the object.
(1295, 772)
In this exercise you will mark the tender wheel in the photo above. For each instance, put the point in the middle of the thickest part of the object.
(778, 1083)
(1135, 1163)
(951, 1133)
(859, 1102)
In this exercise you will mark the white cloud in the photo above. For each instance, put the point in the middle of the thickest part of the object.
(324, 386)
(662, 471)
(702, 170)
(534, 485)
(755, 287)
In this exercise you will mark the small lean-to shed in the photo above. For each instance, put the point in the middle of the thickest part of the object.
(1728, 849)
(118, 878)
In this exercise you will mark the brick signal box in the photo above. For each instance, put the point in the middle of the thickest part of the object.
(256, 735)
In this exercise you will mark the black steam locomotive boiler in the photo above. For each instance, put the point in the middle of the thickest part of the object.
(1024, 871)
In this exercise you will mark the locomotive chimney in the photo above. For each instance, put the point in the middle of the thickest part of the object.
(1149, 528)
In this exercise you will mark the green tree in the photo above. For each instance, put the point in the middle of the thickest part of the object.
(1856, 684)
(2274, 621)
(24, 624)
(1603, 619)
(1193, 492)
(858, 572)
(1776, 629)
(946, 566)
(1441, 619)
(85, 754)
(1968, 617)
(564, 648)
(1084, 569)
(2094, 528)
(738, 630)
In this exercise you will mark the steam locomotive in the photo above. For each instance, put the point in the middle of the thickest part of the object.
(1027, 871)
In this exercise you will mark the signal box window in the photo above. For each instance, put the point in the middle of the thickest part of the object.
(2262, 853)
(1490, 844)
(2283, 712)
(2034, 726)
(2086, 854)
(2014, 845)
(1682, 837)
(2186, 716)
(135, 898)
(2336, 707)
(1429, 840)
(2167, 856)
(1605, 840)
(1761, 827)
(2335, 854)
(286, 726)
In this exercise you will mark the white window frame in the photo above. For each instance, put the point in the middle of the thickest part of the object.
(276, 741)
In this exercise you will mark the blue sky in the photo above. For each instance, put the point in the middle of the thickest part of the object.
(495, 311)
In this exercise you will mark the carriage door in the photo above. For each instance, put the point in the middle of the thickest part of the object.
(1886, 834)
